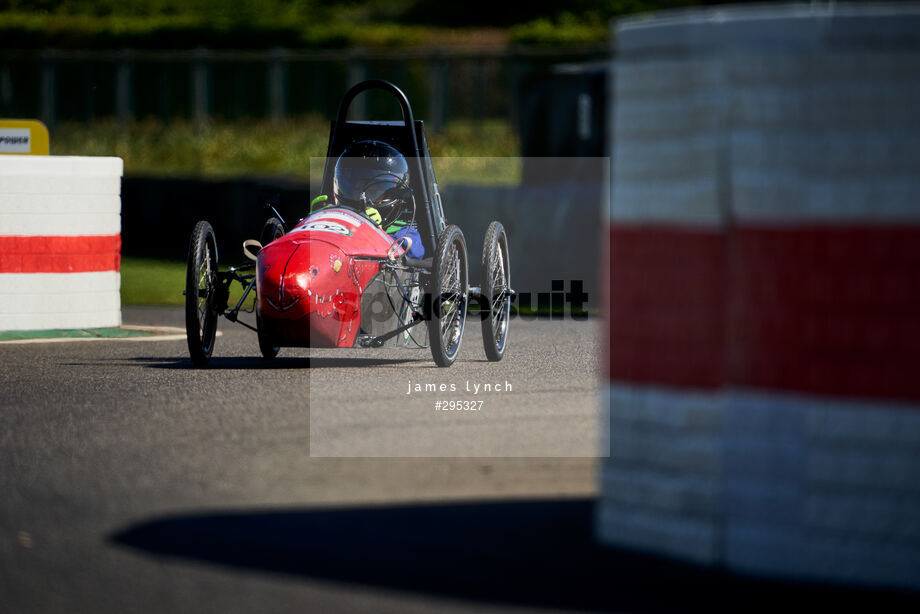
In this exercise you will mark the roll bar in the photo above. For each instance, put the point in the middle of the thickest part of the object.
(408, 120)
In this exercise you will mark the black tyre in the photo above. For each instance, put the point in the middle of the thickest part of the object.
(273, 229)
(449, 288)
(266, 344)
(496, 270)
(201, 294)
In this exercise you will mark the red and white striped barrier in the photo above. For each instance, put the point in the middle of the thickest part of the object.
(60, 242)
(765, 293)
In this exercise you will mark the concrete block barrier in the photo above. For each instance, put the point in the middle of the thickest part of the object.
(764, 307)
(60, 242)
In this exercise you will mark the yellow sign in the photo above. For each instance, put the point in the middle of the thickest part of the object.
(24, 137)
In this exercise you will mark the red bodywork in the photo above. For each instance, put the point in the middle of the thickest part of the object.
(310, 281)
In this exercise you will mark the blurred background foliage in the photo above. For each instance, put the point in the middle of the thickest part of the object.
(264, 147)
(169, 24)
(168, 142)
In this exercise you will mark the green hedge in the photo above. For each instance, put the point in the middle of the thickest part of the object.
(37, 31)
(187, 24)
(588, 26)
(564, 31)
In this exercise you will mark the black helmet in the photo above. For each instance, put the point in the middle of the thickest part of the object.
(372, 174)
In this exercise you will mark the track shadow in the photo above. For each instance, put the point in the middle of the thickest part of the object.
(253, 362)
(536, 553)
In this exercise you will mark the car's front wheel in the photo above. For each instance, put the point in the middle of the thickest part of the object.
(496, 288)
(201, 294)
(449, 293)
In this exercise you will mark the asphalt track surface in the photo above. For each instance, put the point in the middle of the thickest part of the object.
(130, 482)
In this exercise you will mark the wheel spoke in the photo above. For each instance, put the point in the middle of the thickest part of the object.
(205, 290)
(446, 322)
(452, 325)
(451, 297)
(498, 324)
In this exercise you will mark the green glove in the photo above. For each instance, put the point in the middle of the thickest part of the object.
(317, 202)
(396, 226)
(374, 215)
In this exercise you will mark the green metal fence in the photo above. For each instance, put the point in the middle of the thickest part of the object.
(200, 84)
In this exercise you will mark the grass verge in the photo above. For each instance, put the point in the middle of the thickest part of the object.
(152, 282)
(148, 281)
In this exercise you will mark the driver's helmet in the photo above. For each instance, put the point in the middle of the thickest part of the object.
(372, 174)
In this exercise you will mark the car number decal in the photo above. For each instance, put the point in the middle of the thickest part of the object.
(338, 215)
(326, 226)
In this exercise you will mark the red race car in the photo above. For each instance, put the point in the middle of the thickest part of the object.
(374, 264)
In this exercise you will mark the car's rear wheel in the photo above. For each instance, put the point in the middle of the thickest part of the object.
(449, 292)
(201, 294)
(496, 288)
(273, 229)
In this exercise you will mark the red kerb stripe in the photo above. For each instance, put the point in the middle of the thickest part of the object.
(81, 254)
(666, 306)
(826, 310)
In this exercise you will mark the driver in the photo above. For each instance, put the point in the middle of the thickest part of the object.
(373, 177)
